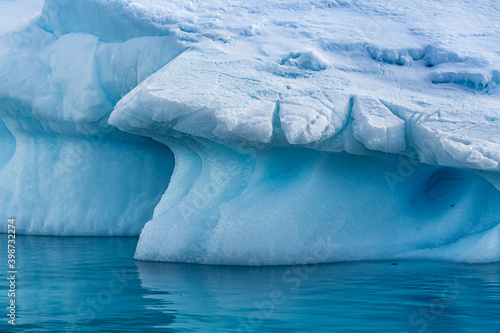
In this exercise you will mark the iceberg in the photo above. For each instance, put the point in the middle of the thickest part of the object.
(264, 133)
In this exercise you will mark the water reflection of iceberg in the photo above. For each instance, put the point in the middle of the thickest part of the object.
(334, 297)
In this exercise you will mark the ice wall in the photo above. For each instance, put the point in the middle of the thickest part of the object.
(302, 131)
(63, 169)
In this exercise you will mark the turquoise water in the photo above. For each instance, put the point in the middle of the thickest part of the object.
(94, 285)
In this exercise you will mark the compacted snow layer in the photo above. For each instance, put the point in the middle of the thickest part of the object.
(303, 131)
(16, 13)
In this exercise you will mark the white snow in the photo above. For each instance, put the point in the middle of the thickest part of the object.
(14, 14)
(370, 126)
(377, 127)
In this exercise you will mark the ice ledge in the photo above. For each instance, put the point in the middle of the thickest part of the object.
(236, 100)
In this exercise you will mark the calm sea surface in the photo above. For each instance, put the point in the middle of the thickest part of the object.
(78, 284)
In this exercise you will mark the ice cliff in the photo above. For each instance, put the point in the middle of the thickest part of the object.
(302, 131)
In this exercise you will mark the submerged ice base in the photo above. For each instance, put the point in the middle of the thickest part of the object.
(300, 133)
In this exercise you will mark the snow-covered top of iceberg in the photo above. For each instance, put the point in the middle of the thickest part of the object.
(359, 76)
(14, 14)
(364, 77)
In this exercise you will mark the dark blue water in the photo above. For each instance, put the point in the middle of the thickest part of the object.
(94, 285)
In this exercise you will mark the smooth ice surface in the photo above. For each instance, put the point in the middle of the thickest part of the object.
(303, 131)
